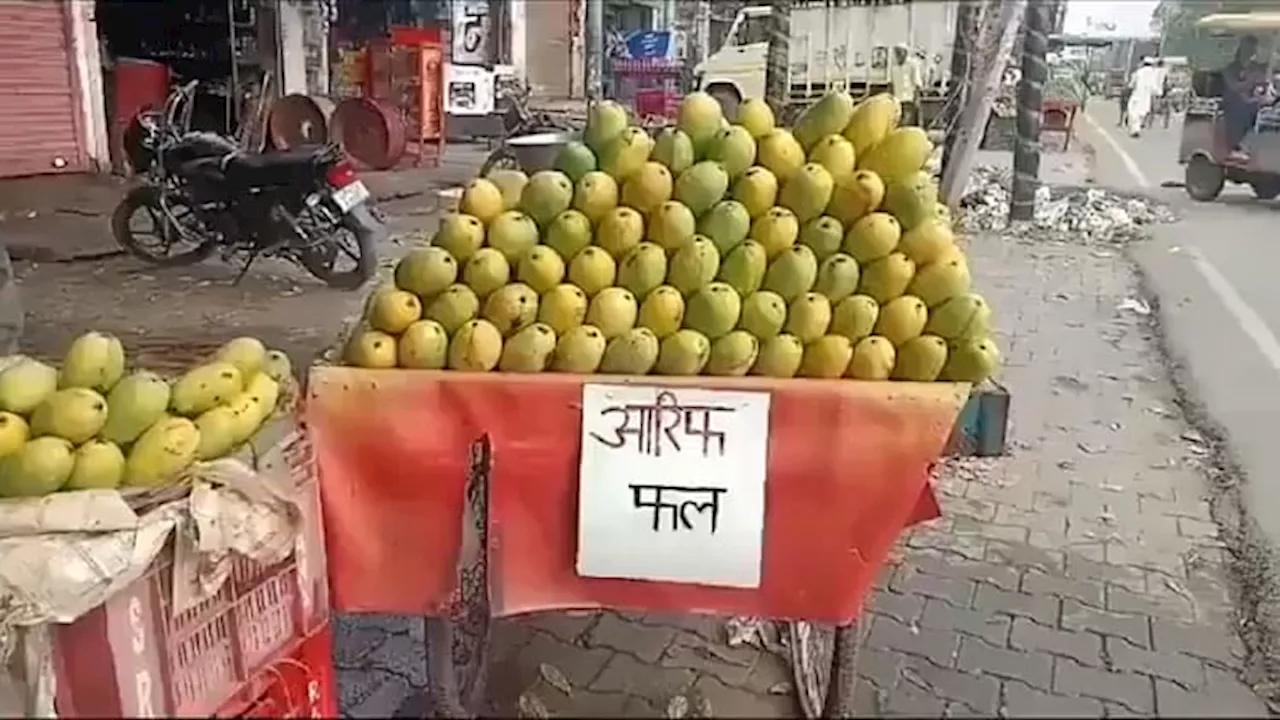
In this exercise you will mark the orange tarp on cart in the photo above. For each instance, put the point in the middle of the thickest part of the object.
(847, 471)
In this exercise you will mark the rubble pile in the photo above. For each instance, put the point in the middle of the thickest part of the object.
(1067, 214)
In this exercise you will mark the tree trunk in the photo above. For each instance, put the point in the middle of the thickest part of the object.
(1035, 71)
(777, 84)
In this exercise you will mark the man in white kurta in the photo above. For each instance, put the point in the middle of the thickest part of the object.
(1146, 85)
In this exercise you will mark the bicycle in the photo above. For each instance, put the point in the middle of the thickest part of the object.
(519, 120)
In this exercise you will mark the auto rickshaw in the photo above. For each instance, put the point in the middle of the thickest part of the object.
(1203, 148)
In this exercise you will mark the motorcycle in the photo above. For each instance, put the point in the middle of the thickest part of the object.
(204, 194)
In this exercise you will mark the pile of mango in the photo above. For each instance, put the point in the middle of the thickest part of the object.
(713, 248)
(89, 425)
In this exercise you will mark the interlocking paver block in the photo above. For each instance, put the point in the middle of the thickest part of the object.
(1175, 666)
(939, 615)
(1080, 617)
(1023, 701)
(1083, 647)
(937, 645)
(977, 656)
(1134, 691)
(645, 642)
(1043, 609)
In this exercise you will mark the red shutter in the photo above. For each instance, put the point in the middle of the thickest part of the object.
(39, 105)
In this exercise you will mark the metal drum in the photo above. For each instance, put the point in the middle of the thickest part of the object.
(538, 151)
(299, 119)
(372, 132)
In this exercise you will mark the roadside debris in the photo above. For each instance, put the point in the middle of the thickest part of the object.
(1064, 214)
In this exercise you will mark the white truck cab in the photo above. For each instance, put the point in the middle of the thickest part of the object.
(845, 46)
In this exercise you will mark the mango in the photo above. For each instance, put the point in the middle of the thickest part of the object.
(579, 350)
(592, 270)
(854, 317)
(779, 357)
(162, 453)
(207, 385)
(763, 314)
(808, 317)
(476, 347)
(594, 195)
(647, 188)
(827, 357)
(634, 352)
(854, 196)
(733, 354)
(920, 359)
(563, 308)
(901, 319)
(529, 350)
(133, 405)
(481, 199)
(886, 278)
(684, 352)
(757, 190)
(792, 273)
(613, 310)
(94, 360)
(662, 311)
(423, 346)
(458, 304)
(371, 349)
(568, 234)
(97, 465)
(548, 193)
(38, 468)
(671, 226)
(514, 233)
(487, 270)
(726, 224)
(693, 266)
(510, 308)
(25, 384)
(807, 192)
(873, 359)
(541, 269)
(620, 230)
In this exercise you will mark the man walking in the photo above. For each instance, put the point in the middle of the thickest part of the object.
(905, 80)
(1145, 86)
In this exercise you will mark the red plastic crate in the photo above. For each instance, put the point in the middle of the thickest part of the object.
(134, 657)
(657, 101)
(302, 685)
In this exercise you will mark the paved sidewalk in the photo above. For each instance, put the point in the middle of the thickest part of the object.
(1082, 575)
(1078, 577)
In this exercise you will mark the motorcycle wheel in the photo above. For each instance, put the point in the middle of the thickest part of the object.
(147, 197)
(322, 261)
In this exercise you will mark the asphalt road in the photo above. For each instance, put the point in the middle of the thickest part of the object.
(1217, 274)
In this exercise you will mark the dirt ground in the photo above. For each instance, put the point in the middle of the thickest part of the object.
(74, 278)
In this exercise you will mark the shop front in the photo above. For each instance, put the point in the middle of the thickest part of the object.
(43, 123)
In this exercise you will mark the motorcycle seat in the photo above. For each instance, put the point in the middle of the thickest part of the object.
(282, 167)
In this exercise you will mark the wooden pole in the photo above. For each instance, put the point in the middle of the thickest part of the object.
(973, 119)
(963, 55)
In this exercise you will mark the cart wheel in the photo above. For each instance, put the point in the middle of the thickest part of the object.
(500, 159)
(1266, 189)
(1204, 179)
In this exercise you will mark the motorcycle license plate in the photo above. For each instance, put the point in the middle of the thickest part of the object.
(350, 196)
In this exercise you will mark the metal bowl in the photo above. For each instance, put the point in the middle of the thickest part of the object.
(538, 151)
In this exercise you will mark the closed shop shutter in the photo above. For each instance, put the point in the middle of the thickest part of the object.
(40, 109)
(549, 39)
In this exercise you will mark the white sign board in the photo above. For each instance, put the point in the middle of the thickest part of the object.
(468, 90)
(671, 485)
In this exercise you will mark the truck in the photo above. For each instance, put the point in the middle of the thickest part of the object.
(835, 45)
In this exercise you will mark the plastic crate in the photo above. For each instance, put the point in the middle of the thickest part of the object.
(661, 102)
(301, 685)
(134, 657)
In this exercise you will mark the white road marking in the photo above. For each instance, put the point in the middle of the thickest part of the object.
(1245, 316)
(1129, 163)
